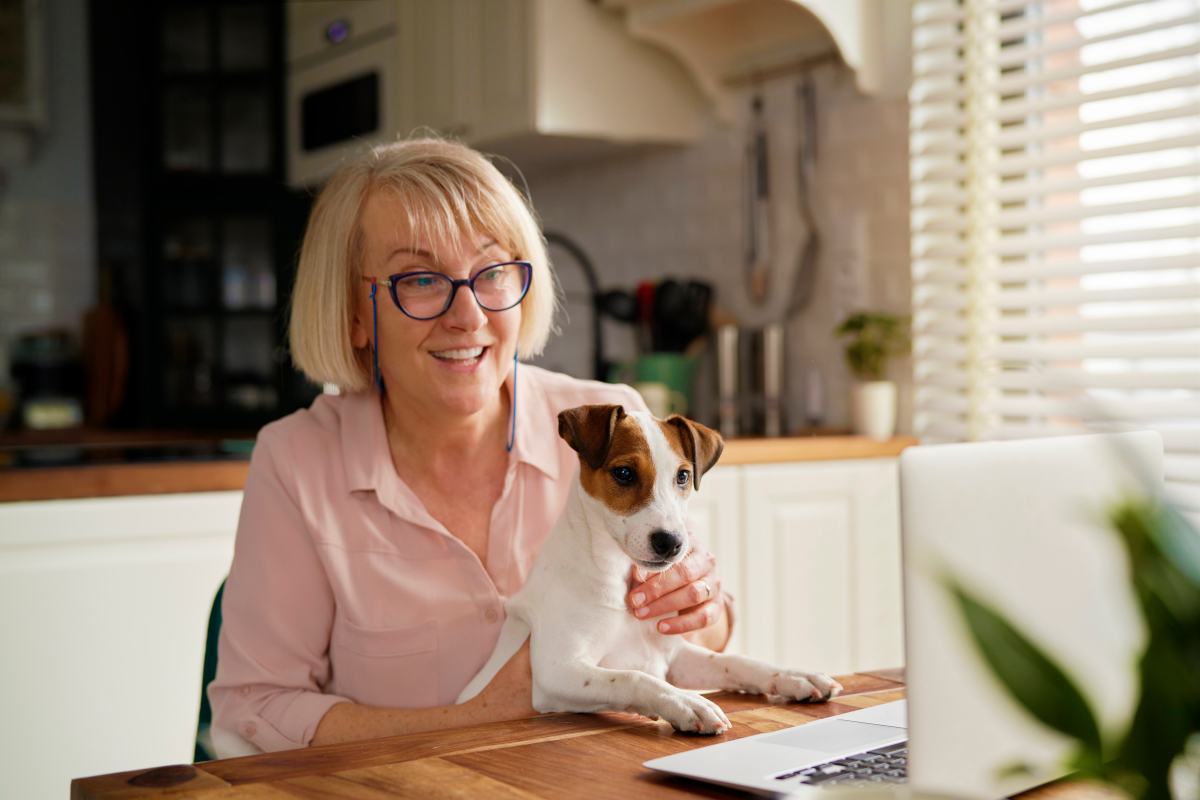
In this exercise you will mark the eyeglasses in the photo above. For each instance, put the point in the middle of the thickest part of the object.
(426, 295)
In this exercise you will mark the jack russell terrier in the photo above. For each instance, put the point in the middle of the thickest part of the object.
(588, 652)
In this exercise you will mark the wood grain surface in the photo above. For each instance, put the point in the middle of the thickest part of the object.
(814, 448)
(116, 480)
(589, 756)
(120, 480)
(551, 756)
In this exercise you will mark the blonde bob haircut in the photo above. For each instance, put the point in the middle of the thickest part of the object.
(448, 190)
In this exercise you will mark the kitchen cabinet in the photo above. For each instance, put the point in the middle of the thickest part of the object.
(812, 553)
(194, 224)
(537, 81)
(104, 608)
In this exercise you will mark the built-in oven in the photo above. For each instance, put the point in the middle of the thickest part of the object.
(341, 74)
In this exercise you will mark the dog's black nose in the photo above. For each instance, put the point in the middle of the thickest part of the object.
(666, 544)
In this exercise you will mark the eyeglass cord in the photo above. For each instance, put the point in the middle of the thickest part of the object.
(375, 343)
(512, 433)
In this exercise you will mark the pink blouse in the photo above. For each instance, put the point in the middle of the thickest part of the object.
(344, 588)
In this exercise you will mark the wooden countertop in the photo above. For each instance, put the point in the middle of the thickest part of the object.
(551, 756)
(170, 477)
(810, 448)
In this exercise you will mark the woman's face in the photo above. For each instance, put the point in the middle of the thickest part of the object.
(455, 363)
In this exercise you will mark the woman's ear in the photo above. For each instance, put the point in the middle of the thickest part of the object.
(359, 335)
(360, 324)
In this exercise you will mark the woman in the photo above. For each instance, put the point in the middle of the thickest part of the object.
(383, 528)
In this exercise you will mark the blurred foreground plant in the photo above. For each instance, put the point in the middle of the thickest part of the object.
(1164, 561)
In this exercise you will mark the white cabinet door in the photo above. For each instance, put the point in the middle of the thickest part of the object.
(104, 609)
(715, 516)
(822, 565)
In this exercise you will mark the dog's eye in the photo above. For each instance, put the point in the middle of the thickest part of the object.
(624, 476)
(682, 477)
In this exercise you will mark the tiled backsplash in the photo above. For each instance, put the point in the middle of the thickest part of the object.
(678, 212)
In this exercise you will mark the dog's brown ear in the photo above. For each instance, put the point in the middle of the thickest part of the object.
(589, 431)
(701, 445)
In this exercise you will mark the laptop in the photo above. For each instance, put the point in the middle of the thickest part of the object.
(1023, 525)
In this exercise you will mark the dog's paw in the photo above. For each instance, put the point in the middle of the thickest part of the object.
(692, 713)
(806, 687)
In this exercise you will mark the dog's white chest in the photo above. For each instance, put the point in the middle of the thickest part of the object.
(634, 644)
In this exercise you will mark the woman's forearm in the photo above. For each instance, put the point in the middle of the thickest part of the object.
(350, 722)
(508, 696)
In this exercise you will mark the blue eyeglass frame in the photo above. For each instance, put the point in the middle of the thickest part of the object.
(391, 280)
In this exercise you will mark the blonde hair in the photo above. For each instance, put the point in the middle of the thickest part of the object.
(447, 190)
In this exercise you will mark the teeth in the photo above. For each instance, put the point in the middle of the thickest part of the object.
(471, 352)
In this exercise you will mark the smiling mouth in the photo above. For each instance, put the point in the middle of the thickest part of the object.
(463, 357)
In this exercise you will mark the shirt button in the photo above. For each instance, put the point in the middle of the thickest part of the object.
(249, 729)
(491, 615)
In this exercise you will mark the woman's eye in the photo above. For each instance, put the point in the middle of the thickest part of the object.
(417, 283)
(682, 477)
(623, 475)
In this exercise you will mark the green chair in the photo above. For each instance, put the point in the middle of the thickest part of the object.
(204, 745)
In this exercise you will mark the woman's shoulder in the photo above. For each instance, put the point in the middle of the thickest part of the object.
(563, 391)
(314, 431)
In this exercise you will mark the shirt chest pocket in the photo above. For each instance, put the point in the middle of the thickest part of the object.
(392, 667)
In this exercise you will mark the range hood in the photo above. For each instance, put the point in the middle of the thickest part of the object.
(727, 42)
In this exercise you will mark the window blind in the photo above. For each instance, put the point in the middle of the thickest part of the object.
(1055, 159)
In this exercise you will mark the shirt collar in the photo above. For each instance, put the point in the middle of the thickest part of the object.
(536, 439)
(364, 441)
(364, 438)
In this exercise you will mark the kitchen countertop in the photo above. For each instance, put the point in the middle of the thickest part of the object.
(137, 463)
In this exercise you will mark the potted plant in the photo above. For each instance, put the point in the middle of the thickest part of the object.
(875, 337)
(1158, 751)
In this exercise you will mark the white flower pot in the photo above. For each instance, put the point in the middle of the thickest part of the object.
(874, 404)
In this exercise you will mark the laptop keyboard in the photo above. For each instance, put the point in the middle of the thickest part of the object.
(882, 765)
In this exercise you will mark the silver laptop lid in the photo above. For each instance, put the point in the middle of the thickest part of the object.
(1023, 526)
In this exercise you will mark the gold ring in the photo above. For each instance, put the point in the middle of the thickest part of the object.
(708, 591)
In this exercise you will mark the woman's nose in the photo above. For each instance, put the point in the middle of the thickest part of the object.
(464, 312)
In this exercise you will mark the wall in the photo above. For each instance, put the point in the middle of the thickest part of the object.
(47, 215)
(679, 213)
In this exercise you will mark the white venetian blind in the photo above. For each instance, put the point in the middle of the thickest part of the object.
(1056, 221)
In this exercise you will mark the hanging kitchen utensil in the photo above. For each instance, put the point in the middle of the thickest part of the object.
(758, 217)
(680, 314)
(805, 278)
(645, 328)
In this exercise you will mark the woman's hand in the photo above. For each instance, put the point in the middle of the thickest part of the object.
(510, 694)
(691, 587)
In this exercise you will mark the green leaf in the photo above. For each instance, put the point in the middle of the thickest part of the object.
(1033, 680)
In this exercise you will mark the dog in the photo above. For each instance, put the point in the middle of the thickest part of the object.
(626, 506)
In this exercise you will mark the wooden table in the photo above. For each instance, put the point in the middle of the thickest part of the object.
(553, 756)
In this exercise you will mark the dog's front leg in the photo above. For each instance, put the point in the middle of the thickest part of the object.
(586, 688)
(697, 668)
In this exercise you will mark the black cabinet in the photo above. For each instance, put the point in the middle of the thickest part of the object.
(193, 213)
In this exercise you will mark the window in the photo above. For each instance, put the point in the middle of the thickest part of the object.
(1056, 221)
